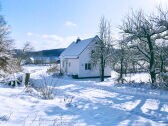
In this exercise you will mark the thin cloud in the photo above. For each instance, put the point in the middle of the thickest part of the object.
(57, 41)
(29, 33)
(52, 37)
(70, 24)
(50, 41)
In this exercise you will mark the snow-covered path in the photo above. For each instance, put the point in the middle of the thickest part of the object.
(84, 103)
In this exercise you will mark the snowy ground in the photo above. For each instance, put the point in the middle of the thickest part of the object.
(83, 102)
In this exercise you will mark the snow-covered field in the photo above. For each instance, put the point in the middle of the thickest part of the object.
(83, 102)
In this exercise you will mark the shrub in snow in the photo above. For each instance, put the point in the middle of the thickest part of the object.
(68, 101)
(163, 79)
(46, 92)
(14, 83)
(54, 68)
(13, 79)
(31, 91)
(5, 117)
(45, 86)
(121, 80)
(55, 71)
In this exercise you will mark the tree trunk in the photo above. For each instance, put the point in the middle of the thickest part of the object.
(102, 75)
(102, 69)
(152, 61)
(162, 64)
(121, 71)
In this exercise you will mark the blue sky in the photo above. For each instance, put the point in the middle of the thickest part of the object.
(50, 24)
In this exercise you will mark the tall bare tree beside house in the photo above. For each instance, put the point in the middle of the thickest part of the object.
(101, 53)
(142, 32)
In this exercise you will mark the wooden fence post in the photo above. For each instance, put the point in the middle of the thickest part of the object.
(27, 78)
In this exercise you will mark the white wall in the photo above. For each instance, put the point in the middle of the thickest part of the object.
(73, 67)
(85, 58)
(70, 67)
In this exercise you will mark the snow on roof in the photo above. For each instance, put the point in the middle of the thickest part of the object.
(75, 48)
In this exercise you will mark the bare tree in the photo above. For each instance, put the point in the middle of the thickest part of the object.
(122, 57)
(101, 54)
(142, 32)
(23, 55)
(162, 21)
(161, 56)
(7, 62)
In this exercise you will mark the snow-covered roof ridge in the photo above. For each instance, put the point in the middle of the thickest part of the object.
(77, 47)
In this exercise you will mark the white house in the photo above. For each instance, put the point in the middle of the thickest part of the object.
(75, 60)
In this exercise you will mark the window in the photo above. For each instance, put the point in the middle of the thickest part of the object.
(87, 66)
(69, 64)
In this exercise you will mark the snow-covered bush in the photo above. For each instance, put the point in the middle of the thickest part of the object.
(12, 79)
(46, 92)
(163, 79)
(45, 85)
(5, 117)
(29, 90)
(55, 71)
(68, 101)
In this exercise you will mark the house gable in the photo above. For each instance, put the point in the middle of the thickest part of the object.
(76, 48)
(76, 60)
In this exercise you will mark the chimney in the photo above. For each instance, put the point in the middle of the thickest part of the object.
(78, 39)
